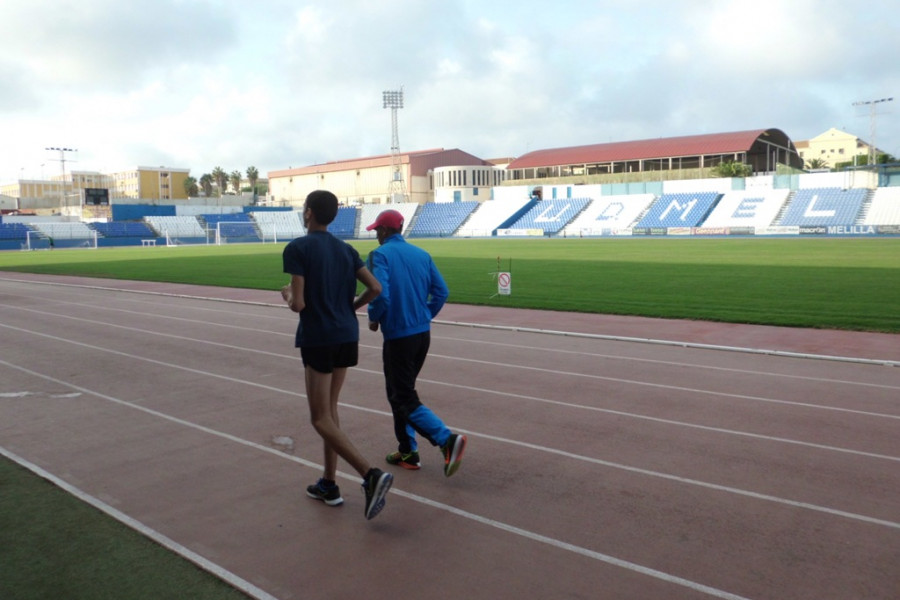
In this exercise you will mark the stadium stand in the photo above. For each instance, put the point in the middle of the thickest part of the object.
(680, 210)
(756, 209)
(13, 231)
(65, 231)
(279, 226)
(441, 219)
(489, 215)
(885, 207)
(212, 219)
(176, 227)
(371, 211)
(551, 215)
(609, 213)
(123, 229)
(344, 224)
(823, 207)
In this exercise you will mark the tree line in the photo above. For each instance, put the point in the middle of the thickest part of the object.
(220, 179)
(857, 161)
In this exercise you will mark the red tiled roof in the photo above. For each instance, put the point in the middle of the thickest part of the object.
(352, 163)
(691, 145)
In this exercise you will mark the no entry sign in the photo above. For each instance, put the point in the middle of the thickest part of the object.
(504, 281)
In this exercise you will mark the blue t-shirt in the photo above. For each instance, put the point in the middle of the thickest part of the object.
(328, 266)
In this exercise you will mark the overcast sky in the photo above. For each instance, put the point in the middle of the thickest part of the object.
(286, 83)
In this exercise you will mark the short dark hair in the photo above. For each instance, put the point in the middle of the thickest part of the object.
(324, 206)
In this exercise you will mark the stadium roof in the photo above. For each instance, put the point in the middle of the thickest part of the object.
(692, 145)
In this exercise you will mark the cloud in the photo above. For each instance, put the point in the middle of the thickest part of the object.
(279, 83)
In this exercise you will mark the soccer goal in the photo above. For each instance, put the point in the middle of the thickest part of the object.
(48, 236)
(236, 232)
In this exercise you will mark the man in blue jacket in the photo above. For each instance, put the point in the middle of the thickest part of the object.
(412, 294)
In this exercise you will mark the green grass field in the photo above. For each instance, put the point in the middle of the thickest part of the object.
(838, 283)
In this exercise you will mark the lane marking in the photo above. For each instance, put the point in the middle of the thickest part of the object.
(508, 394)
(500, 344)
(588, 459)
(497, 364)
(620, 338)
(163, 540)
(175, 547)
(666, 386)
(672, 363)
(616, 338)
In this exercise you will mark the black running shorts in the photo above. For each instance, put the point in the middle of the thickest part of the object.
(325, 359)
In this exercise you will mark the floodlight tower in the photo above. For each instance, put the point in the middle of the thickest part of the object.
(62, 184)
(873, 150)
(397, 188)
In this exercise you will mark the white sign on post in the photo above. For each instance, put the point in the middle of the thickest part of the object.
(504, 281)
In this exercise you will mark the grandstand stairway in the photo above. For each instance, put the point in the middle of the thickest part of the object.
(864, 209)
(784, 207)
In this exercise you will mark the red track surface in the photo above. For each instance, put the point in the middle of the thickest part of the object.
(596, 468)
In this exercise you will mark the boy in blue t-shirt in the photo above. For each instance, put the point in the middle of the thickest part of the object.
(324, 271)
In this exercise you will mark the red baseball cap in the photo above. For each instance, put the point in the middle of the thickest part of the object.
(392, 219)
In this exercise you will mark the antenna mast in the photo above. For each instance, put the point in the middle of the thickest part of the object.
(873, 151)
(63, 205)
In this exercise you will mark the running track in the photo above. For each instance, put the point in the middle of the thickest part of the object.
(639, 459)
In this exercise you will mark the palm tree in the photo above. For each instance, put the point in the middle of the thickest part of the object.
(221, 179)
(206, 182)
(252, 177)
(817, 163)
(236, 182)
(190, 186)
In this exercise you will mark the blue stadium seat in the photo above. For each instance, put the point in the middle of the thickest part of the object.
(439, 219)
(344, 224)
(824, 207)
(13, 231)
(551, 215)
(680, 210)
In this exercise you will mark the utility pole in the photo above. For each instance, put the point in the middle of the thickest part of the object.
(873, 149)
(62, 184)
(397, 187)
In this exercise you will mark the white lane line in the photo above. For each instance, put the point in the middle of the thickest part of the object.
(615, 338)
(207, 565)
(588, 459)
(673, 363)
(668, 387)
(673, 579)
(609, 411)
(501, 365)
(509, 394)
(619, 338)
(515, 329)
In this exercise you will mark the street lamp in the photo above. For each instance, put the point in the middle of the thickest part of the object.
(393, 99)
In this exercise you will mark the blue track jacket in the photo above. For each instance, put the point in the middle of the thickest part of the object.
(412, 289)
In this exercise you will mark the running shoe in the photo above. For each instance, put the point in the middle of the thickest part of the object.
(329, 495)
(453, 450)
(375, 487)
(407, 461)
